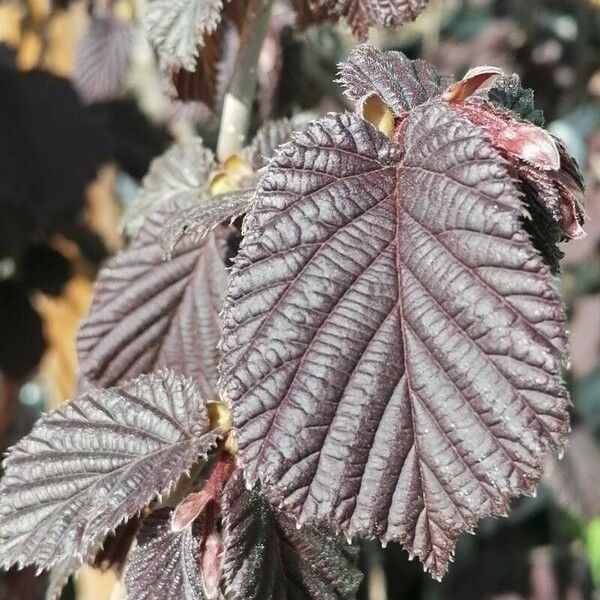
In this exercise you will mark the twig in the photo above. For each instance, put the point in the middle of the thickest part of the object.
(237, 106)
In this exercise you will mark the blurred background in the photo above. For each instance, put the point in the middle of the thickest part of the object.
(83, 111)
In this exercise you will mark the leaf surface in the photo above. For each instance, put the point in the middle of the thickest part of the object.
(393, 342)
(165, 564)
(400, 82)
(95, 462)
(149, 312)
(268, 558)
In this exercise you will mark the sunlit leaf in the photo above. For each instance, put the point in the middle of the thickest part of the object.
(95, 462)
(393, 342)
(268, 558)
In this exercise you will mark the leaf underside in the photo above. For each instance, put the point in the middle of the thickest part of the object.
(149, 312)
(392, 341)
(164, 564)
(401, 83)
(95, 462)
(268, 558)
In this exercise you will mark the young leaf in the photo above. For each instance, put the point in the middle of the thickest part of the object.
(149, 312)
(393, 342)
(165, 565)
(507, 92)
(96, 461)
(102, 57)
(401, 83)
(180, 175)
(268, 558)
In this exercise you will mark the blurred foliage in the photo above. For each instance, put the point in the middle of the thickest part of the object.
(98, 145)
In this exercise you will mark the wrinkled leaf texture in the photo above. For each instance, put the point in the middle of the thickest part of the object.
(268, 558)
(95, 462)
(165, 564)
(149, 312)
(392, 341)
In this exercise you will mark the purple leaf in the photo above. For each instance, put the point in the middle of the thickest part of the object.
(102, 59)
(148, 312)
(268, 558)
(165, 565)
(96, 461)
(393, 342)
(401, 83)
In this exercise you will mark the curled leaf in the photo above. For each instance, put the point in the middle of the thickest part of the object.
(96, 461)
(197, 221)
(401, 83)
(393, 342)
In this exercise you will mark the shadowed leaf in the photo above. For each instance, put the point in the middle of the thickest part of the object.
(393, 342)
(165, 565)
(91, 464)
(268, 558)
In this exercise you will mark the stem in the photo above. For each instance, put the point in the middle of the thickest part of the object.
(237, 105)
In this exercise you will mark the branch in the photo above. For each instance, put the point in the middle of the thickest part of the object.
(238, 102)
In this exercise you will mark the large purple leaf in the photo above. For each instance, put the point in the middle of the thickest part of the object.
(400, 82)
(149, 312)
(95, 462)
(268, 558)
(393, 342)
(165, 565)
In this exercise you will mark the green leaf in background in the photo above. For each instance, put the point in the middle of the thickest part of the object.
(592, 544)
